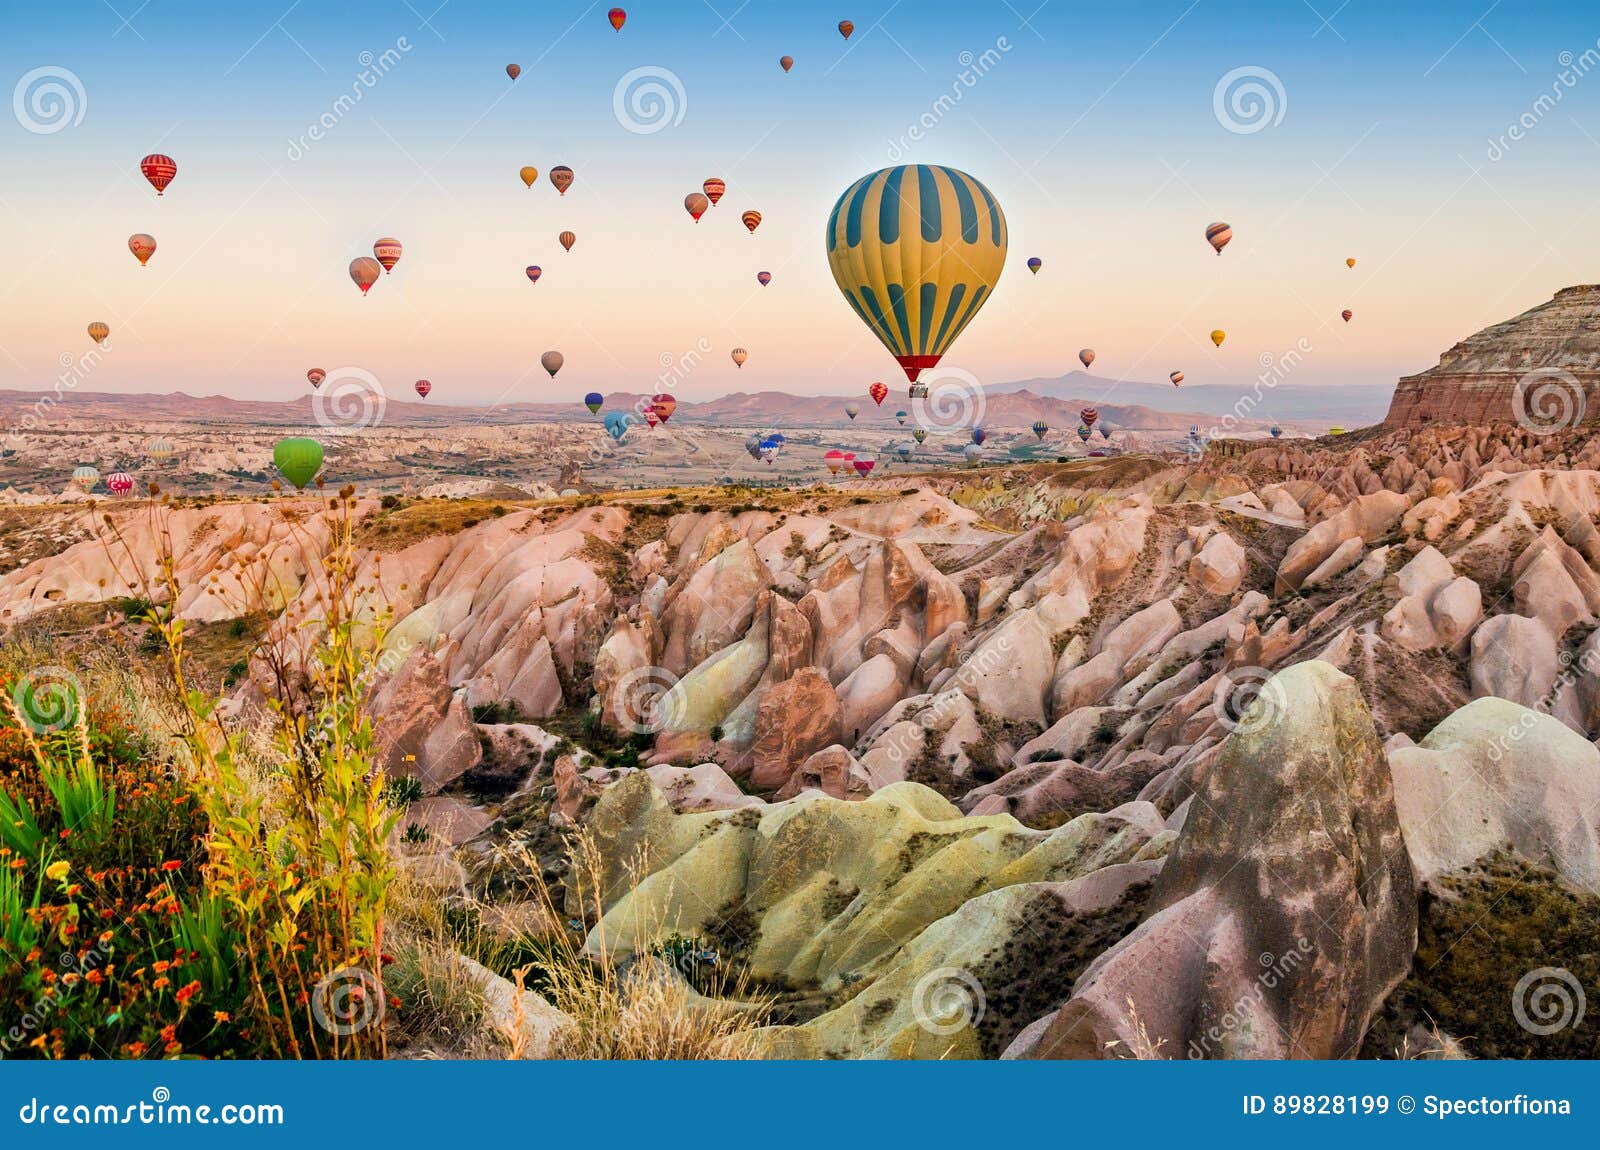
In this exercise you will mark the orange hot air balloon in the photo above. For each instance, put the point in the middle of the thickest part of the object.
(1347, 313)
(1350, 263)
(714, 189)
(663, 405)
(513, 70)
(1086, 356)
(739, 355)
(1176, 378)
(388, 252)
(845, 28)
(316, 375)
(561, 177)
(786, 62)
(1218, 336)
(98, 332)
(616, 16)
(695, 203)
(567, 240)
(1218, 235)
(879, 393)
(365, 270)
(159, 170)
(752, 220)
(530, 176)
(423, 387)
(143, 246)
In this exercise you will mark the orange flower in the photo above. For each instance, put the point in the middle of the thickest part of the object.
(161, 983)
(134, 1050)
(221, 1016)
(169, 1032)
(95, 978)
(160, 966)
(172, 864)
(188, 991)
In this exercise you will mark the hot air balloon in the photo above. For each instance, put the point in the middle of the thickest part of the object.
(916, 250)
(900, 418)
(1084, 432)
(561, 176)
(119, 483)
(530, 176)
(616, 16)
(316, 375)
(594, 401)
(159, 170)
(904, 451)
(879, 392)
(650, 417)
(972, 453)
(616, 424)
(1089, 415)
(739, 355)
(713, 189)
(567, 239)
(1176, 378)
(1336, 431)
(663, 405)
(1194, 433)
(84, 476)
(1086, 356)
(1040, 429)
(1034, 264)
(513, 70)
(298, 460)
(979, 435)
(753, 446)
(1218, 336)
(852, 409)
(1350, 263)
(695, 203)
(763, 278)
(786, 62)
(159, 450)
(534, 272)
(551, 361)
(845, 28)
(98, 332)
(365, 270)
(143, 246)
(1218, 235)
(1105, 431)
(834, 460)
(919, 434)
(752, 220)
(771, 445)
(1275, 431)
(863, 466)
(423, 387)
(1346, 314)
(387, 250)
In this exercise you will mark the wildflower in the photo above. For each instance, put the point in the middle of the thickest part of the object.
(71, 978)
(188, 991)
(72, 891)
(172, 864)
(169, 1032)
(160, 966)
(173, 1048)
(57, 871)
(34, 954)
(94, 977)
(134, 1050)
(394, 1001)
(161, 983)
(221, 1016)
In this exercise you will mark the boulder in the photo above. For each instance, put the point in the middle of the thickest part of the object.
(796, 718)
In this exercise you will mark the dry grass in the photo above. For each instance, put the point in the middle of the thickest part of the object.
(1140, 1045)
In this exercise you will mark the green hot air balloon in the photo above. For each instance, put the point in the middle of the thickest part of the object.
(298, 460)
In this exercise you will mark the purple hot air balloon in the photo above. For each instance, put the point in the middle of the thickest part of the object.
(534, 272)
(764, 278)
(979, 435)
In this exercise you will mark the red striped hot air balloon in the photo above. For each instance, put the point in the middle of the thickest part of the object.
(1176, 378)
(663, 405)
(1347, 313)
(119, 483)
(863, 466)
(616, 16)
(650, 416)
(423, 387)
(738, 355)
(1088, 415)
(567, 239)
(533, 272)
(388, 251)
(98, 331)
(316, 375)
(159, 170)
(1218, 235)
(714, 188)
(879, 392)
(752, 220)
(834, 460)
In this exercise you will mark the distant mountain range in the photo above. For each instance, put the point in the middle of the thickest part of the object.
(1133, 406)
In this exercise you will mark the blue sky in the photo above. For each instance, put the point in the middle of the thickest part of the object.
(1094, 125)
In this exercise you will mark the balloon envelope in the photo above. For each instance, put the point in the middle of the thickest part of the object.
(159, 170)
(786, 62)
(561, 176)
(845, 28)
(423, 387)
(879, 392)
(739, 355)
(594, 401)
(664, 405)
(1218, 235)
(616, 425)
(1034, 264)
(916, 250)
(364, 271)
(1347, 313)
(551, 361)
(567, 239)
(513, 70)
(713, 188)
(979, 435)
(85, 476)
(1176, 378)
(298, 460)
(763, 278)
(1218, 336)
(387, 250)
(900, 418)
(1086, 356)
(852, 409)
(752, 220)
(616, 16)
(529, 176)
(98, 332)
(695, 203)
(533, 272)
(143, 246)
(316, 375)
(119, 483)
(1040, 428)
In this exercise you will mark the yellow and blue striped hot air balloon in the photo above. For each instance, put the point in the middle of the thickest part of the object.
(917, 250)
